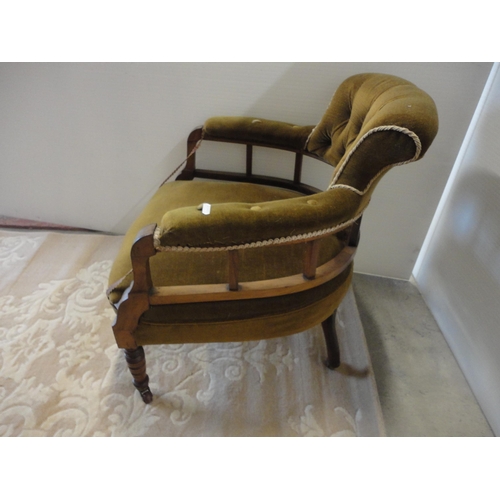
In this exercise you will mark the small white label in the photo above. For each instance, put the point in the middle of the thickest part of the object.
(205, 208)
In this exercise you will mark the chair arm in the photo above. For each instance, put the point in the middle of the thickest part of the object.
(244, 225)
(257, 131)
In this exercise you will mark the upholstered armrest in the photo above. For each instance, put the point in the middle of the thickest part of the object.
(252, 225)
(257, 131)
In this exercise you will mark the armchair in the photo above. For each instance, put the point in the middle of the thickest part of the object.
(248, 257)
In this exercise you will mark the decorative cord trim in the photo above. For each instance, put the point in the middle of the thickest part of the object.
(416, 140)
(346, 186)
(196, 147)
(254, 244)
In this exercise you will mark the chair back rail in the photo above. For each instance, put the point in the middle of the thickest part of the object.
(190, 170)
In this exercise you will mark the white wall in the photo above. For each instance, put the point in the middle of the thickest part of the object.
(459, 271)
(86, 144)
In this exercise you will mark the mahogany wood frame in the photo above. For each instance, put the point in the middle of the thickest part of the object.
(142, 294)
(190, 171)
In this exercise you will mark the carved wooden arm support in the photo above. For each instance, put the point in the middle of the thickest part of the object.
(135, 300)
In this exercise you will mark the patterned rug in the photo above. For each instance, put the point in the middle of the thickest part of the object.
(61, 373)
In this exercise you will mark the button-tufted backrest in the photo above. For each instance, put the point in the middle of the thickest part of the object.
(373, 122)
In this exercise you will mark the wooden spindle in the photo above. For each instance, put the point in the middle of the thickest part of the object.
(311, 259)
(298, 167)
(354, 233)
(249, 159)
(233, 260)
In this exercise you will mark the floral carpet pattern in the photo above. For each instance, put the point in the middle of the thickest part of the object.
(61, 373)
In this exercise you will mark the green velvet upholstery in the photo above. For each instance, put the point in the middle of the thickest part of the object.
(367, 101)
(258, 131)
(189, 268)
(243, 320)
(239, 223)
(373, 123)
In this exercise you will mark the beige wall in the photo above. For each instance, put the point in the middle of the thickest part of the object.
(459, 271)
(87, 144)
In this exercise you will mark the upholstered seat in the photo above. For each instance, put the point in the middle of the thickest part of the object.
(173, 323)
(270, 257)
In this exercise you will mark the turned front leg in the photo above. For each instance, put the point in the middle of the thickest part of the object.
(136, 361)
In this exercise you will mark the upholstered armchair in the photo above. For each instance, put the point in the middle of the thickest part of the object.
(247, 257)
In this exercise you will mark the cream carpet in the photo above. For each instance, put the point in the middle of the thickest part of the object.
(61, 373)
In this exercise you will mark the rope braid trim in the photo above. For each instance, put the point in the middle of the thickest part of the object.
(254, 244)
(341, 168)
(196, 147)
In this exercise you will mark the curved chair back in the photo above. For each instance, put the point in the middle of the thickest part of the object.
(374, 122)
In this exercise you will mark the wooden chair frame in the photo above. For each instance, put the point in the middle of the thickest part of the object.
(141, 294)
